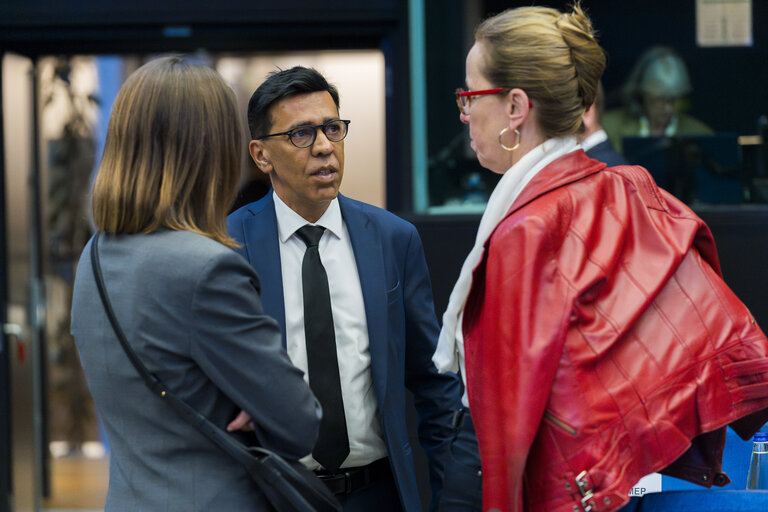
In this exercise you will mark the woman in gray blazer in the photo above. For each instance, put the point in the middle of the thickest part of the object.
(189, 304)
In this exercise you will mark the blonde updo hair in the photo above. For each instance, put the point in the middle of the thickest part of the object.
(553, 56)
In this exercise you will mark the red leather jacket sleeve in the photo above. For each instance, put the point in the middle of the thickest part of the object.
(519, 335)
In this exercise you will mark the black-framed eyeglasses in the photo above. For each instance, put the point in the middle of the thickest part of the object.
(304, 136)
(464, 98)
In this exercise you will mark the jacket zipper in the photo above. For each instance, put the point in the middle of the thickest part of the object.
(560, 423)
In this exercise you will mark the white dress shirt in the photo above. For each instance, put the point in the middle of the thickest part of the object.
(594, 139)
(366, 441)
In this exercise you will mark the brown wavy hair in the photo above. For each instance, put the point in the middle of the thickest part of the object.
(172, 153)
(554, 57)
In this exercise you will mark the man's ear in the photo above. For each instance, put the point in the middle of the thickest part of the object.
(590, 119)
(518, 107)
(260, 156)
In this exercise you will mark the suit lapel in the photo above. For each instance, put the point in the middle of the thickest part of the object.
(369, 258)
(263, 249)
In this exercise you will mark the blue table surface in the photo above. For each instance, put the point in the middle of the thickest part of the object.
(681, 496)
(700, 501)
(735, 465)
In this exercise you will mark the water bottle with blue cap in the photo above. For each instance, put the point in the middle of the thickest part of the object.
(757, 477)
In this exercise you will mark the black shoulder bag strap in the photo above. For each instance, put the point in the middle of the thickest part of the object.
(287, 485)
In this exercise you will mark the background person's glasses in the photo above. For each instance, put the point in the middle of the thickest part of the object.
(304, 136)
(464, 98)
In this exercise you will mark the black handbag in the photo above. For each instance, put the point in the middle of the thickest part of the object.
(288, 485)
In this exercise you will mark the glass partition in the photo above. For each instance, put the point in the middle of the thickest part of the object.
(711, 152)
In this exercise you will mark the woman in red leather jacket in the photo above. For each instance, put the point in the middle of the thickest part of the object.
(598, 340)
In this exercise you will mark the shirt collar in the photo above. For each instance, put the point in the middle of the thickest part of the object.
(288, 221)
(594, 139)
(645, 127)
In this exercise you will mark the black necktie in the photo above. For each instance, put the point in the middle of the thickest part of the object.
(332, 445)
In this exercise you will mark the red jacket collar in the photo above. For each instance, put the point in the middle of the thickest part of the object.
(568, 168)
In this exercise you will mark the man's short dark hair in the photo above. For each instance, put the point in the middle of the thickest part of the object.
(283, 84)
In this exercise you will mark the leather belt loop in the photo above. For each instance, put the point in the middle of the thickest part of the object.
(458, 418)
(347, 482)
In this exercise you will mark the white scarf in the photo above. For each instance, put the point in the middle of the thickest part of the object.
(449, 355)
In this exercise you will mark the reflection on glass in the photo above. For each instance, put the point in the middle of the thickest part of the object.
(704, 171)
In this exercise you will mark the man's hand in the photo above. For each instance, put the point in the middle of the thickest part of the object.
(241, 422)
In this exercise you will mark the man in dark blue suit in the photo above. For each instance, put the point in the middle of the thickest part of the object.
(595, 140)
(383, 317)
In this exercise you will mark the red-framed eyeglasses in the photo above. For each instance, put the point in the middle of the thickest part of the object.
(464, 98)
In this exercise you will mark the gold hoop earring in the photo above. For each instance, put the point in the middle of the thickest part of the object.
(505, 130)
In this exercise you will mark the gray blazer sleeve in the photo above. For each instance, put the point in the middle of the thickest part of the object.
(240, 349)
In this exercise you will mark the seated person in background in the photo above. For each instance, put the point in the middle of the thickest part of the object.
(653, 95)
(594, 140)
